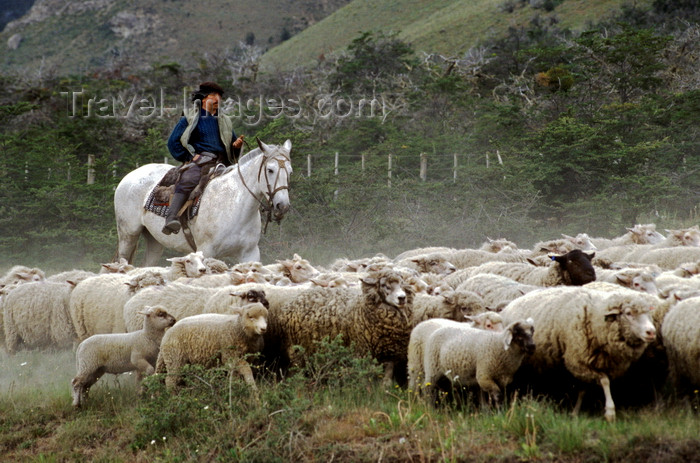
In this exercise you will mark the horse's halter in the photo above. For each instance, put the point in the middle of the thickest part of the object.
(266, 207)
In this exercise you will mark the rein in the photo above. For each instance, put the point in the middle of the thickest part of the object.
(266, 207)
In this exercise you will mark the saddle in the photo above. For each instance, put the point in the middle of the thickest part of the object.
(158, 201)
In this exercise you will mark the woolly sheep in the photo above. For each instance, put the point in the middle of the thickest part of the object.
(495, 290)
(562, 246)
(669, 258)
(638, 279)
(375, 319)
(189, 266)
(681, 338)
(214, 266)
(498, 245)
(430, 263)
(639, 234)
(462, 258)
(97, 303)
(211, 339)
(486, 320)
(121, 266)
(21, 274)
(572, 268)
(119, 353)
(686, 238)
(453, 305)
(423, 251)
(297, 269)
(70, 275)
(468, 356)
(595, 335)
(35, 315)
(181, 300)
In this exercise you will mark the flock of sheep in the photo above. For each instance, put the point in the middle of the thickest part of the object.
(590, 307)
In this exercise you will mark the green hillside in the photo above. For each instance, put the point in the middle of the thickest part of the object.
(79, 36)
(449, 27)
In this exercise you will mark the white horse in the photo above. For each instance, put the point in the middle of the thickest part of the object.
(228, 221)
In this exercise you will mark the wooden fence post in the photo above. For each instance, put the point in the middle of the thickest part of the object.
(423, 166)
(335, 169)
(454, 168)
(389, 172)
(362, 161)
(308, 166)
(487, 160)
(91, 169)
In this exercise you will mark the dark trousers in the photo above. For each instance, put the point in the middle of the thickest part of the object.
(189, 179)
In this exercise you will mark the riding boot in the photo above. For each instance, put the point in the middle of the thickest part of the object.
(172, 222)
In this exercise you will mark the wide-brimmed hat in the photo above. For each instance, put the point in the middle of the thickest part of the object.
(205, 88)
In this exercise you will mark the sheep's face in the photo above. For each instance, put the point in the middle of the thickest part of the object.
(464, 302)
(192, 263)
(298, 270)
(255, 319)
(578, 265)
(388, 288)
(641, 281)
(160, 318)
(521, 334)
(645, 234)
(498, 245)
(486, 321)
(434, 264)
(581, 241)
(636, 322)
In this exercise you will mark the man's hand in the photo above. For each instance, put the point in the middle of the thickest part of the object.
(238, 142)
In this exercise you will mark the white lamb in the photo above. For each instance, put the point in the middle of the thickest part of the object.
(211, 339)
(595, 335)
(189, 266)
(120, 353)
(468, 356)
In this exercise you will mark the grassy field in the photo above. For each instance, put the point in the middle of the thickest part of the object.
(334, 410)
(449, 27)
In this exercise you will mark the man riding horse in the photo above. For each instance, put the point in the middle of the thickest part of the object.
(202, 138)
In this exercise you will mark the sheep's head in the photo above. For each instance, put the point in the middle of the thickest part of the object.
(520, 334)
(633, 317)
(297, 269)
(577, 264)
(214, 266)
(144, 280)
(434, 263)
(157, 318)
(498, 245)
(686, 236)
(122, 266)
(254, 317)
(639, 280)
(192, 264)
(252, 296)
(464, 303)
(581, 241)
(387, 287)
(489, 321)
(645, 234)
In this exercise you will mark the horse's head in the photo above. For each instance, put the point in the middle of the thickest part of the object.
(273, 175)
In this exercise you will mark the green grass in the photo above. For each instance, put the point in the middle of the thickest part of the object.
(449, 27)
(334, 409)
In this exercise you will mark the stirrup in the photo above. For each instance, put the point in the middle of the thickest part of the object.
(171, 227)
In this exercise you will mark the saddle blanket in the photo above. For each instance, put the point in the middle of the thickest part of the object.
(158, 200)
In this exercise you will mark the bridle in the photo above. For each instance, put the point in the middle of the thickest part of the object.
(267, 206)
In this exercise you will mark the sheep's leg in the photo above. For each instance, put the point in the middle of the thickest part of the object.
(609, 404)
(388, 374)
(489, 386)
(81, 386)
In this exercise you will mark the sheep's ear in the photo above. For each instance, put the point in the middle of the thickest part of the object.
(469, 319)
(369, 280)
(237, 294)
(624, 279)
(612, 314)
(296, 257)
(590, 256)
(508, 339)
(530, 261)
(564, 235)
